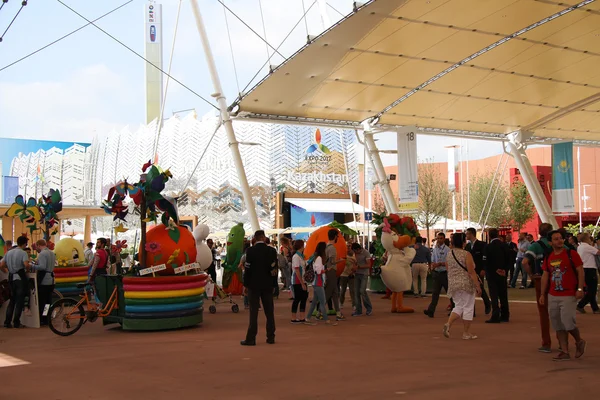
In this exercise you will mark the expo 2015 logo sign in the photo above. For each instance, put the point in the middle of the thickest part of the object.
(317, 145)
(317, 152)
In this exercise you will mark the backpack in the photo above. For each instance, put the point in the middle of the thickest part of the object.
(282, 261)
(309, 273)
(540, 261)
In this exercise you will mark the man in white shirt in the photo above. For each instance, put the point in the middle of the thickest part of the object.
(89, 253)
(588, 254)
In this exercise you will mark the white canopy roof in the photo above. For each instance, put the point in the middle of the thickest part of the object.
(342, 206)
(475, 68)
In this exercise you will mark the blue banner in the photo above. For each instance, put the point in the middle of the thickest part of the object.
(563, 184)
(10, 189)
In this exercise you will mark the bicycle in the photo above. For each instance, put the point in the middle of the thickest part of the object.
(56, 293)
(67, 316)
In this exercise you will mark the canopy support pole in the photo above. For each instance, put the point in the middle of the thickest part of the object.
(517, 148)
(391, 204)
(226, 118)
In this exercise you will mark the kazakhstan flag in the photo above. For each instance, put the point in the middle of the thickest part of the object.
(563, 199)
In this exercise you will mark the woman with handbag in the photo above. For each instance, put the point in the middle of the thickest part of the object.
(463, 286)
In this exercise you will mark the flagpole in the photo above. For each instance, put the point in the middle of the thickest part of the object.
(468, 186)
(579, 188)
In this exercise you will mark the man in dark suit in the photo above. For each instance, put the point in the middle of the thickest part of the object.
(260, 267)
(477, 248)
(497, 264)
(512, 254)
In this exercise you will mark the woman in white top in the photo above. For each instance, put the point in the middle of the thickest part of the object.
(588, 254)
(297, 278)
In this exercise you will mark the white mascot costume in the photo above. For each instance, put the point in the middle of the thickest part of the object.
(396, 273)
(203, 252)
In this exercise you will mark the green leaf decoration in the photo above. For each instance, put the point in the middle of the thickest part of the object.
(32, 228)
(187, 257)
(153, 197)
(174, 234)
(343, 228)
(174, 265)
(157, 257)
(165, 221)
(152, 173)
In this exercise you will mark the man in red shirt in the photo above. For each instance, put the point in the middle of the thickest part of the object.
(99, 262)
(563, 273)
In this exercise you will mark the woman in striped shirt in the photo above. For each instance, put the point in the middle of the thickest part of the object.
(318, 286)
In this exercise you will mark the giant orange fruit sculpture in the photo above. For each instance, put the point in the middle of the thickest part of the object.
(173, 246)
(320, 235)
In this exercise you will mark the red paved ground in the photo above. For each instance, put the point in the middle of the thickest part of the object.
(385, 356)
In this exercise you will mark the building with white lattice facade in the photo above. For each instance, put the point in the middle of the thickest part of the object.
(40, 171)
(274, 155)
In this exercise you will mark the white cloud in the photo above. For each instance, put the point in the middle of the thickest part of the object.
(92, 99)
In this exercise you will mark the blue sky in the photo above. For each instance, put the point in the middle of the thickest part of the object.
(89, 84)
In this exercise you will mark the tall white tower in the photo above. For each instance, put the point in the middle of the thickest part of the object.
(153, 53)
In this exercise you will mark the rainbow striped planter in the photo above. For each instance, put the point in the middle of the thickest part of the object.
(67, 278)
(162, 303)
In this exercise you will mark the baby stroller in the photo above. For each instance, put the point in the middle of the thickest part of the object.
(220, 297)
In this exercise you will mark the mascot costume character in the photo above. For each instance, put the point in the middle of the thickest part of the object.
(232, 274)
(396, 235)
(203, 252)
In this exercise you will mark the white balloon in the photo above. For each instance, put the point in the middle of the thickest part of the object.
(203, 256)
(203, 252)
(201, 232)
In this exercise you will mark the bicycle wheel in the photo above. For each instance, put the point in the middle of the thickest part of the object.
(65, 318)
(57, 294)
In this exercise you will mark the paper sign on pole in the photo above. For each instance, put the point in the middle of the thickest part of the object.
(563, 193)
(151, 270)
(186, 267)
(209, 289)
(408, 182)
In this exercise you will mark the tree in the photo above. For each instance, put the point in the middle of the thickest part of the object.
(574, 229)
(498, 210)
(378, 204)
(520, 207)
(434, 198)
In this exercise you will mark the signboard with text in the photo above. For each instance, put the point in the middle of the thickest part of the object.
(408, 182)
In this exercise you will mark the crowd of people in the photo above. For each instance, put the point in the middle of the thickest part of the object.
(18, 261)
(561, 267)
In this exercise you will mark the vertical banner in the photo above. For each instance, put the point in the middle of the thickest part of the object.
(408, 181)
(452, 168)
(563, 184)
(153, 53)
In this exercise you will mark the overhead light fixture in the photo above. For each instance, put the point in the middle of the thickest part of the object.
(234, 109)
(250, 143)
(357, 5)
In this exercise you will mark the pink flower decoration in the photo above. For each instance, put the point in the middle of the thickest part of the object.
(152, 247)
(386, 226)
